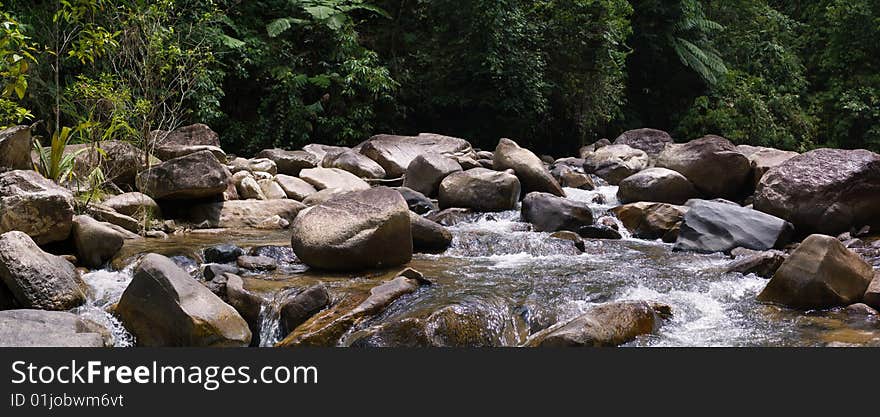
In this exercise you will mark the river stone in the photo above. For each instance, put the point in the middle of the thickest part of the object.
(613, 163)
(35, 205)
(255, 165)
(38, 279)
(711, 163)
(549, 213)
(355, 163)
(763, 264)
(290, 162)
(295, 188)
(15, 148)
(480, 189)
(425, 172)
(659, 185)
(323, 178)
(354, 231)
(193, 176)
(319, 151)
(825, 191)
(257, 263)
(416, 201)
(249, 189)
(272, 190)
(599, 231)
(717, 227)
(192, 135)
(530, 170)
(106, 214)
(38, 328)
(429, 236)
(651, 141)
(221, 254)
(246, 303)
(395, 153)
(134, 204)
(764, 159)
(322, 196)
(577, 180)
(585, 151)
(820, 273)
(872, 294)
(296, 309)
(95, 242)
(164, 306)
(650, 220)
(239, 214)
(176, 151)
(609, 324)
(211, 271)
(571, 237)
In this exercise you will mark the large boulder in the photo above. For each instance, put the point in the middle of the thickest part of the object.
(820, 273)
(651, 220)
(872, 294)
(719, 227)
(38, 279)
(429, 236)
(824, 191)
(613, 163)
(192, 135)
(480, 189)
(764, 159)
(549, 213)
(38, 328)
(651, 141)
(417, 202)
(290, 162)
(164, 306)
(659, 185)
(197, 175)
(176, 151)
(711, 163)
(354, 231)
(133, 204)
(15, 148)
(610, 324)
(354, 162)
(395, 153)
(96, 242)
(425, 172)
(295, 188)
(324, 178)
(238, 214)
(35, 205)
(530, 170)
(319, 151)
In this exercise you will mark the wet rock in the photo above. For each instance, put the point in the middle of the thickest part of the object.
(134, 204)
(659, 185)
(257, 263)
(599, 231)
(763, 264)
(613, 163)
(356, 230)
(572, 237)
(246, 303)
(36, 206)
(295, 188)
(872, 294)
(429, 236)
(164, 306)
(38, 279)
(464, 325)
(861, 310)
(651, 141)
(480, 189)
(38, 328)
(211, 271)
(548, 213)
(417, 202)
(711, 163)
(763, 159)
(717, 227)
(355, 163)
(223, 253)
(451, 216)
(290, 162)
(272, 190)
(323, 178)
(577, 180)
(197, 175)
(610, 324)
(15, 148)
(820, 273)
(650, 220)
(95, 242)
(395, 153)
(530, 170)
(296, 309)
(242, 213)
(825, 191)
(425, 173)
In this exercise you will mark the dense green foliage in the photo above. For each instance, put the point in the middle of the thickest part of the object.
(551, 74)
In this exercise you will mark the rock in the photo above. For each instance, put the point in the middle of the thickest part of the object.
(319, 151)
(613, 163)
(548, 213)
(599, 231)
(221, 254)
(290, 162)
(572, 237)
(246, 303)
(323, 178)
(248, 188)
(610, 324)
(134, 204)
(395, 153)
(416, 201)
(861, 310)
(426, 171)
(763, 159)
(763, 264)
(820, 273)
(243, 213)
(106, 214)
(95, 242)
(717, 227)
(15, 148)
(38, 328)
(354, 163)
(451, 216)
(257, 263)
(175, 151)
(296, 309)
(272, 190)
(38, 279)
(872, 294)
(659, 185)
(164, 306)
(120, 161)
(211, 271)
(825, 191)
(530, 170)
(577, 180)
(322, 196)
(253, 165)
(192, 135)
(193, 176)
(711, 163)
(585, 151)
(429, 236)
(651, 141)
(354, 231)
(480, 189)
(650, 220)
(36, 206)
(295, 188)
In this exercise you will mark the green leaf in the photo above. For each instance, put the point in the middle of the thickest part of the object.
(278, 26)
(321, 12)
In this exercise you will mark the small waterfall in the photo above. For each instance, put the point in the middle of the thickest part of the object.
(105, 288)
(270, 320)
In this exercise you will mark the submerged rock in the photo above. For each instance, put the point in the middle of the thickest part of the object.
(763, 264)
(548, 213)
(718, 227)
(35, 206)
(711, 163)
(197, 175)
(38, 328)
(38, 279)
(610, 324)
(480, 189)
(530, 170)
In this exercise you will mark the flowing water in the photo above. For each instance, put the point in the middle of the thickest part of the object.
(512, 282)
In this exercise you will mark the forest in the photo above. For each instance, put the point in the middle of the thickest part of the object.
(554, 75)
